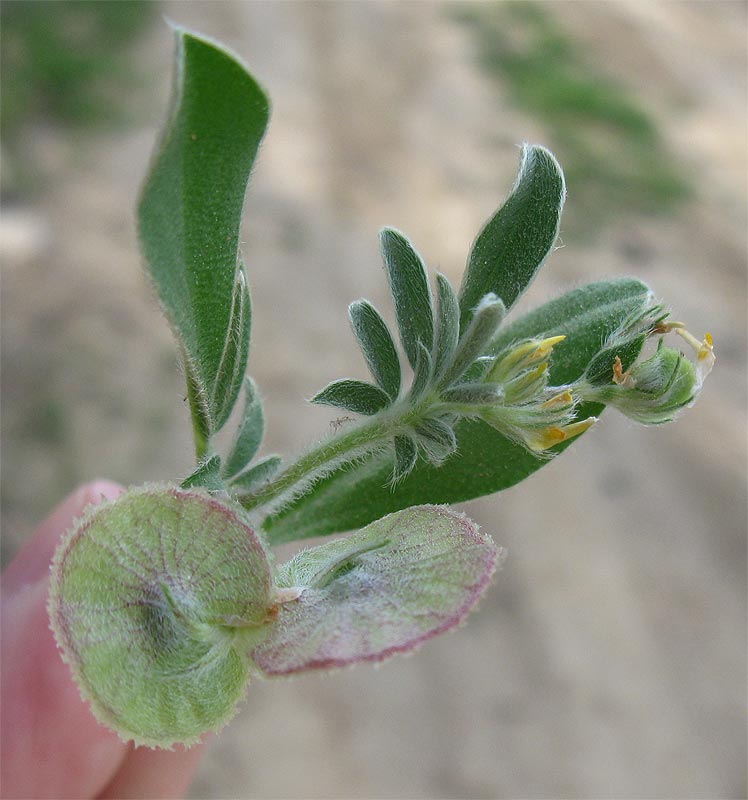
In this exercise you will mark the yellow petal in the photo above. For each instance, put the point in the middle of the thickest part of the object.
(553, 435)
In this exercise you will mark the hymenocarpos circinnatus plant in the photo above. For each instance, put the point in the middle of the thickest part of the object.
(167, 600)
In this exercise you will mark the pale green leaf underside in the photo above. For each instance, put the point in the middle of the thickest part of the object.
(144, 591)
(257, 474)
(207, 474)
(190, 212)
(485, 461)
(380, 591)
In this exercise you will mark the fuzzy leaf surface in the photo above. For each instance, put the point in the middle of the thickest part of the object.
(376, 343)
(513, 244)
(207, 474)
(479, 332)
(249, 435)
(447, 327)
(357, 396)
(189, 216)
(421, 373)
(406, 455)
(485, 461)
(437, 438)
(155, 599)
(262, 471)
(410, 292)
(380, 591)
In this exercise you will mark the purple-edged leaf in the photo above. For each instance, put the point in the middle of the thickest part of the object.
(381, 591)
(155, 600)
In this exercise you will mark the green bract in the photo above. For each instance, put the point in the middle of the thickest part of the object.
(156, 599)
(381, 591)
(164, 601)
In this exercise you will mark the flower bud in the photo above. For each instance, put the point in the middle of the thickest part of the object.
(540, 424)
(655, 390)
(546, 438)
(528, 411)
(522, 357)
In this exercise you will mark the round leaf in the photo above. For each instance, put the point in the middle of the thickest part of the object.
(155, 600)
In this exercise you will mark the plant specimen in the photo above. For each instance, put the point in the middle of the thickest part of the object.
(166, 601)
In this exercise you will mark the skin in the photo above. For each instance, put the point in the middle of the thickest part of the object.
(52, 746)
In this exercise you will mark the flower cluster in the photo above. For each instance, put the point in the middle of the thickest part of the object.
(530, 411)
(651, 391)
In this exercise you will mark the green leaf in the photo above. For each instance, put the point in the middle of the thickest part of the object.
(249, 435)
(207, 475)
(356, 396)
(421, 374)
(472, 394)
(380, 591)
(437, 438)
(189, 216)
(233, 363)
(201, 423)
(587, 316)
(377, 346)
(485, 461)
(262, 471)
(411, 294)
(514, 243)
(448, 325)
(406, 455)
(474, 341)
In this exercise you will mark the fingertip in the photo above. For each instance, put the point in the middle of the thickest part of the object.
(161, 774)
(33, 559)
(99, 490)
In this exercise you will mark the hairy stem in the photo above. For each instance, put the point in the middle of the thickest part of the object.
(355, 442)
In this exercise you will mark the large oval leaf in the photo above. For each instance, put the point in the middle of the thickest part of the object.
(383, 590)
(485, 461)
(189, 217)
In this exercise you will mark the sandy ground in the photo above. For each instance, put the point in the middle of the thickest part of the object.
(609, 658)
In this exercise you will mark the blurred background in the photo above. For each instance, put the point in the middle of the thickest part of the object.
(609, 657)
